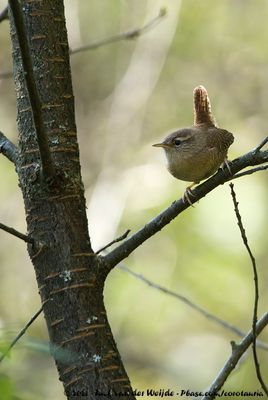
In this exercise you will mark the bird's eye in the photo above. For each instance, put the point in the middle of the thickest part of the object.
(177, 142)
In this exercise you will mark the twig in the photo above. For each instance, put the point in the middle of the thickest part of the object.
(34, 98)
(119, 239)
(8, 148)
(237, 351)
(255, 275)
(261, 145)
(16, 233)
(17, 338)
(4, 14)
(128, 35)
(194, 306)
(249, 172)
(155, 225)
(132, 34)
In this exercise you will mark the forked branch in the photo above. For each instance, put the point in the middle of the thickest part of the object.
(256, 286)
(127, 35)
(237, 351)
(155, 225)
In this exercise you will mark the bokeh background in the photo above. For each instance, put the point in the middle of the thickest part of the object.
(129, 95)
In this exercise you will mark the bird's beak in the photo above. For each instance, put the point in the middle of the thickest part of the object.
(161, 145)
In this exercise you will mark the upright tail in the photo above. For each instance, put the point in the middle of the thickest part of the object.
(202, 107)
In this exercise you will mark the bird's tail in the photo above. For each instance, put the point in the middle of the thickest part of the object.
(202, 107)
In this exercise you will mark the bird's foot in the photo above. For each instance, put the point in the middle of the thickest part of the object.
(227, 164)
(186, 198)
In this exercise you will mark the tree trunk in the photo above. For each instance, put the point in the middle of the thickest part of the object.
(70, 276)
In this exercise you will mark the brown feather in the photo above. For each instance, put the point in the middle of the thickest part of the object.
(202, 107)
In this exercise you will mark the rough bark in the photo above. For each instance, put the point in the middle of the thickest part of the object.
(68, 273)
(70, 276)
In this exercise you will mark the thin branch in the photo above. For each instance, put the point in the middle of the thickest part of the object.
(250, 171)
(129, 35)
(34, 98)
(256, 285)
(17, 338)
(16, 233)
(183, 299)
(237, 351)
(155, 225)
(261, 145)
(119, 239)
(191, 304)
(4, 14)
(8, 148)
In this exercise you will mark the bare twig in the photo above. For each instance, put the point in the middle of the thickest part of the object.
(4, 14)
(255, 275)
(119, 239)
(237, 351)
(128, 35)
(17, 338)
(16, 233)
(191, 304)
(155, 225)
(249, 171)
(8, 148)
(261, 145)
(34, 98)
(183, 299)
(132, 34)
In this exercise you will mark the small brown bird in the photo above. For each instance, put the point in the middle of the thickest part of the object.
(195, 153)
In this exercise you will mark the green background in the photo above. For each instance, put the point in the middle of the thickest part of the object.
(128, 96)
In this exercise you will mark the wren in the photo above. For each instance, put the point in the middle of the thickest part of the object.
(195, 153)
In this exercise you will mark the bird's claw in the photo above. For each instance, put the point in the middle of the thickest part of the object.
(186, 196)
(226, 164)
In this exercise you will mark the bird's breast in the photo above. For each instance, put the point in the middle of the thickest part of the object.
(195, 168)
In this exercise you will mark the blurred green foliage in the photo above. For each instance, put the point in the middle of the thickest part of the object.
(5, 388)
(128, 96)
